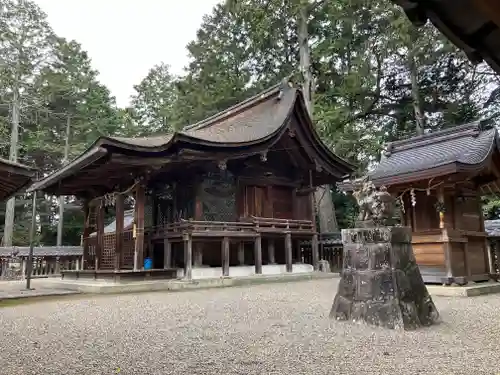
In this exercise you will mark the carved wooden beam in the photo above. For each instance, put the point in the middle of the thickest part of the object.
(134, 161)
(305, 191)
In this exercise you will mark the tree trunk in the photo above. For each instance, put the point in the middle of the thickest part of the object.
(322, 197)
(60, 224)
(8, 232)
(415, 93)
(326, 210)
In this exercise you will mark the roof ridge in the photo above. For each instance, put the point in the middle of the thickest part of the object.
(436, 137)
(493, 143)
(240, 106)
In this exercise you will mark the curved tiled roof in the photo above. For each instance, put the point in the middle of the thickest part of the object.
(254, 119)
(460, 147)
(251, 122)
(247, 124)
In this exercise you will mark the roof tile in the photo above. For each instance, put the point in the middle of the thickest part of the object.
(464, 144)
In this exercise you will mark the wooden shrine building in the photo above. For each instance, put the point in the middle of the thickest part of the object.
(234, 189)
(13, 178)
(472, 25)
(439, 179)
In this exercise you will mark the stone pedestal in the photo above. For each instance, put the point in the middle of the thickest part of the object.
(380, 281)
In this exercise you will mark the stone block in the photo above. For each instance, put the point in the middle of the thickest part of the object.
(380, 281)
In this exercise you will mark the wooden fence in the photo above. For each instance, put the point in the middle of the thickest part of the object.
(48, 261)
(330, 250)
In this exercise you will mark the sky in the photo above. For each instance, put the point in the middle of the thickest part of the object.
(126, 38)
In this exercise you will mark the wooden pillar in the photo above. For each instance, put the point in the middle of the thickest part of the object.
(489, 263)
(120, 218)
(188, 256)
(225, 256)
(315, 252)
(140, 200)
(271, 253)
(241, 253)
(258, 255)
(100, 236)
(447, 258)
(288, 252)
(86, 233)
(167, 253)
(294, 204)
(268, 208)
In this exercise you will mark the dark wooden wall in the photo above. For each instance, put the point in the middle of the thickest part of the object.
(280, 202)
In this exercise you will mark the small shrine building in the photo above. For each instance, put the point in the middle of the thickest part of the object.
(229, 196)
(439, 179)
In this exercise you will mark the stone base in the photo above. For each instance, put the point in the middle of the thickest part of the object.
(380, 282)
(120, 275)
(372, 223)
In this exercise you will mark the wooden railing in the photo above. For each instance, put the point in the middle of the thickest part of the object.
(263, 224)
(246, 226)
(48, 261)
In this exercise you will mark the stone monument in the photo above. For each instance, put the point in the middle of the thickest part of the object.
(380, 280)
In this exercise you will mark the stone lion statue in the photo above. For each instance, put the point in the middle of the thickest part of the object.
(373, 204)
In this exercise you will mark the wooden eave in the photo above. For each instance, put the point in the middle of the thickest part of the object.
(316, 149)
(13, 178)
(426, 174)
(185, 146)
(473, 26)
(89, 157)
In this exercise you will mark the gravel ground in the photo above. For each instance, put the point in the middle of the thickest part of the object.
(266, 329)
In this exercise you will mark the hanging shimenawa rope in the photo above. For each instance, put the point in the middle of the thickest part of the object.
(412, 192)
(110, 198)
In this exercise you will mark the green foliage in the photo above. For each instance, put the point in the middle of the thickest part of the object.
(372, 72)
(154, 103)
(491, 208)
(346, 209)
(56, 83)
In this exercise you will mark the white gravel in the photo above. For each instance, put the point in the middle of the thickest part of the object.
(266, 329)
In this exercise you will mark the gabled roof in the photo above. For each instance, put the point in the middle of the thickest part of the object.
(461, 148)
(251, 124)
(13, 178)
(473, 26)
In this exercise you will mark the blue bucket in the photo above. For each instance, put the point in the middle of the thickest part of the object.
(148, 263)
